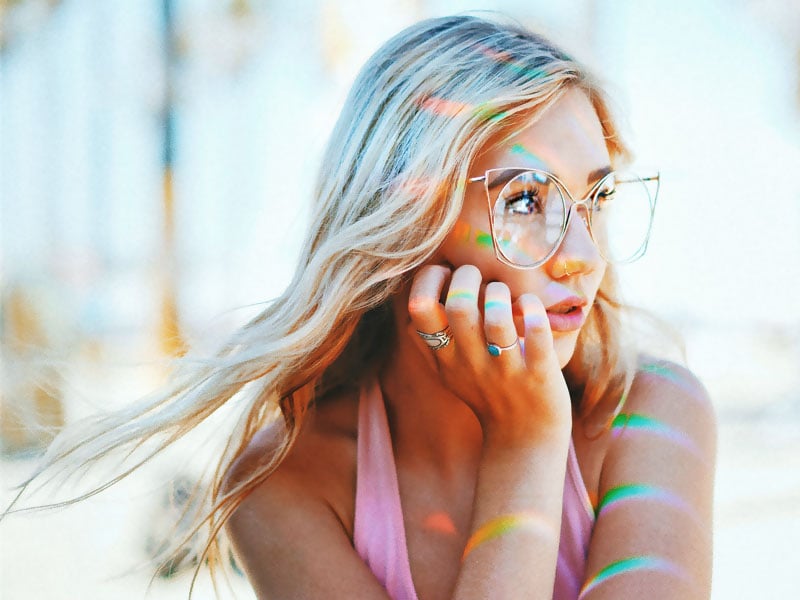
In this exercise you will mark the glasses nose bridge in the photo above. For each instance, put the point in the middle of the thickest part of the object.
(584, 203)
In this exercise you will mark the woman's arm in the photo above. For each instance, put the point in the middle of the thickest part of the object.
(653, 536)
(293, 544)
(523, 406)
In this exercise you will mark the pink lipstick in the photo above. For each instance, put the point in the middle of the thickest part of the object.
(567, 315)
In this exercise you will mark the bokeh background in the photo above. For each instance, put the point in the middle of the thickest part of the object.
(156, 158)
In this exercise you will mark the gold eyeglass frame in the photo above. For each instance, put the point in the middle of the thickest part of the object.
(564, 192)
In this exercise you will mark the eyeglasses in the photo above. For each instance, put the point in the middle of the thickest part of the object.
(530, 210)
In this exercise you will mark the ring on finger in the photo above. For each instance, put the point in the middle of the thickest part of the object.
(496, 350)
(438, 340)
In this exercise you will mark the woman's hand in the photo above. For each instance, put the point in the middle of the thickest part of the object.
(517, 397)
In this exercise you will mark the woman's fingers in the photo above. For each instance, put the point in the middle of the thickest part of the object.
(427, 313)
(539, 352)
(498, 322)
(463, 313)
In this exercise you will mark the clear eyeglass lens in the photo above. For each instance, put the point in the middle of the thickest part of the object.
(529, 215)
(621, 216)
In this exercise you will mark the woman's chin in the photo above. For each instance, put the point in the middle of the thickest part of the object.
(564, 345)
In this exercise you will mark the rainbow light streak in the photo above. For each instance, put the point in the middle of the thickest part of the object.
(490, 304)
(442, 106)
(660, 370)
(483, 239)
(452, 108)
(630, 565)
(461, 231)
(522, 150)
(489, 112)
(636, 422)
(416, 187)
(464, 233)
(671, 375)
(622, 494)
(502, 525)
(506, 59)
(460, 294)
(440, 522)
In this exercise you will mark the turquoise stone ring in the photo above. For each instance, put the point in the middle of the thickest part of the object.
(496, 350)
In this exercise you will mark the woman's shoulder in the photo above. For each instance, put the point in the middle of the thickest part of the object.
(293, 533)
(667, 401)
(663, 387)
(319, 468)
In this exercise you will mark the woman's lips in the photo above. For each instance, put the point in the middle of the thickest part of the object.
(569, 321)
(567, 315)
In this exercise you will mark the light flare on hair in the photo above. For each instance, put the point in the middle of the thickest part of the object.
(442, 106)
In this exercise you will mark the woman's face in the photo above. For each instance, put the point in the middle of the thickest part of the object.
(567, 141)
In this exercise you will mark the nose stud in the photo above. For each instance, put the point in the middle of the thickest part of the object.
(569, 267)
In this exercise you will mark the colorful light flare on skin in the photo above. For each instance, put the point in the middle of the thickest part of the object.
(671, 375)
(483, 239)
(637, 423)
(460, 294)
(492, 304)
(523, 151)
(632, 492)
(631, 565)
(464, 233)
(505, 524)
(440, 522)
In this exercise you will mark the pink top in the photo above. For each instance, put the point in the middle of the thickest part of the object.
(380, 538)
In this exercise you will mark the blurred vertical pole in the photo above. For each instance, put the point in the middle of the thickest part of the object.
(170, 335)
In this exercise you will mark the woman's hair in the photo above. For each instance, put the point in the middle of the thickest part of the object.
(390, 189)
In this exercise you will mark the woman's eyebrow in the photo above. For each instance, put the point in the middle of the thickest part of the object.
(598, 174)
(505, 176)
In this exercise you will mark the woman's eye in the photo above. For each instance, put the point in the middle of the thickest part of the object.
(603, 196)
(524, 202)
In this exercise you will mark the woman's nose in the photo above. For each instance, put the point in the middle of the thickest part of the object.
(577, 253)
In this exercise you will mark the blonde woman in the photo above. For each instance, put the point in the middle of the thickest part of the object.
(440, 405)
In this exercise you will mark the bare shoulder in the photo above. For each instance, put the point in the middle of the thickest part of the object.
(666, 393)
(668, 416)
(293, 532)
(654, 512)
(320, 465)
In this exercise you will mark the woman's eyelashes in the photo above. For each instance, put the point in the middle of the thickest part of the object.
(524, 202)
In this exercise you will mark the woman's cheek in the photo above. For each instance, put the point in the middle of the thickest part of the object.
(468, 244)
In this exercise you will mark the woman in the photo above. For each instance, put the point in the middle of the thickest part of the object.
(460, 417)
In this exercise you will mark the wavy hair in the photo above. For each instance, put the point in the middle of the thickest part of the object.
(389, 190)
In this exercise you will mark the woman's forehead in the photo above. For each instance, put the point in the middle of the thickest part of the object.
(566, 139)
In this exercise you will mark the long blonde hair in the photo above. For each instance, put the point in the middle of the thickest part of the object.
(389, 190)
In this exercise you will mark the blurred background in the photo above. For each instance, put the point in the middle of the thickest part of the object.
(156, 158)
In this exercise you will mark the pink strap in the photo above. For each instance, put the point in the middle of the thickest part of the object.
(379, 536)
